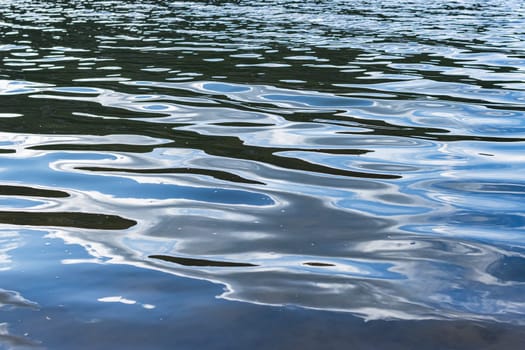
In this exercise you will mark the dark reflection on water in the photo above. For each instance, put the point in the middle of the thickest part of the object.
(316, 156)
(80, 220)
(31, 192)
(199, 262)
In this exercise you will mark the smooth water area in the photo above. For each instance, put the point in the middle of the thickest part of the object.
(262, 174)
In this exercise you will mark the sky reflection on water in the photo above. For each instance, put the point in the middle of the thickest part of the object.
(312, 156)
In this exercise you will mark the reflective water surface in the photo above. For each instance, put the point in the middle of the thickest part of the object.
(262, 174)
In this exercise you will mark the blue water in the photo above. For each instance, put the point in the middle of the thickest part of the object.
(262, 174)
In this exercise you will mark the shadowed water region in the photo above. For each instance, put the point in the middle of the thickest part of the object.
(262, 174)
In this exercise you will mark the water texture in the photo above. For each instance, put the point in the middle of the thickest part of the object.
(313, 156)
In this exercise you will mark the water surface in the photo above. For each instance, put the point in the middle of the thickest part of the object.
(262, 174)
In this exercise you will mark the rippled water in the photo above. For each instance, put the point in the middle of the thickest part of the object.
(322, 162)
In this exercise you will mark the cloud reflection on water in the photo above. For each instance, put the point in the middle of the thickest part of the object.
(393, 248)
(385, 182)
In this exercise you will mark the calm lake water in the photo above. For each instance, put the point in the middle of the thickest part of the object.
(262, 174)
